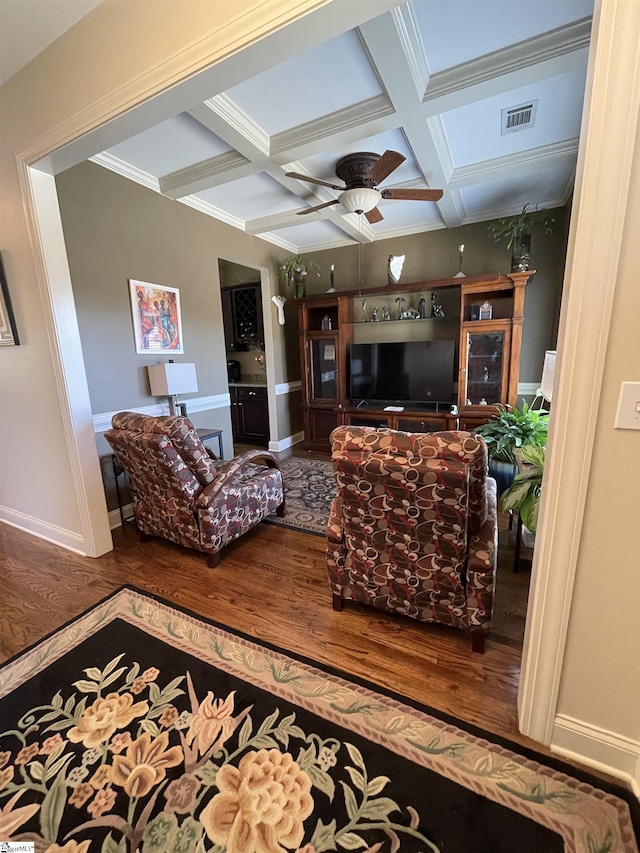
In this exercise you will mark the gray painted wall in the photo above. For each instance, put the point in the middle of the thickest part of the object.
(116, 230)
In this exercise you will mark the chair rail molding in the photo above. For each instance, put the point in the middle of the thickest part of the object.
(102, 421)
(610, 118)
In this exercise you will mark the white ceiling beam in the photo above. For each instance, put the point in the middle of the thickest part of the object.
(375, 115)
(538, 50)
(520, 163)
(386, 47)
(115, 164)
(280, 220)
(213, 172)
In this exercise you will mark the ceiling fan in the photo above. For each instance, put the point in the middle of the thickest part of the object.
(361, 173)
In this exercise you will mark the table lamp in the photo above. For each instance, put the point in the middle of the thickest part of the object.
(169, 380)
(548, 370)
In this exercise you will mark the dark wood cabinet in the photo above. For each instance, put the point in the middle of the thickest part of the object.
(488, 353)
(249, 414)
(242, 317)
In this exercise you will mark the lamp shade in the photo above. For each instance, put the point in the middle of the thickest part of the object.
(548, 370)
(171, 378)
(359, 199)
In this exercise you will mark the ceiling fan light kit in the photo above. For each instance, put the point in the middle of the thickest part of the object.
(359, 199)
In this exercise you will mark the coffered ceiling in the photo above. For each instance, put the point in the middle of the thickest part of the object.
(430, 79)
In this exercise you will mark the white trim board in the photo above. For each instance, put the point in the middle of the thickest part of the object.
(284, 443)
(49, 532)
(102, 421)
(597, 747)
(597, 222)
(114, 516)
(288, 387)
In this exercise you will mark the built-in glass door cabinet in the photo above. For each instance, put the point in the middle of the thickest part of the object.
(323, 356)
(492, 315)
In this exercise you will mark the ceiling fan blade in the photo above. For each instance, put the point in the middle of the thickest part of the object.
(412, 195)
(374, 216)
(383, 167)
(311, 180)
(317, 207)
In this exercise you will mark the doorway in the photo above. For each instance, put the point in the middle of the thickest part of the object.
(245, 345)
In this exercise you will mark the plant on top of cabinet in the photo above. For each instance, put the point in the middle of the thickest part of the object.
(295, 269)
(516, 230)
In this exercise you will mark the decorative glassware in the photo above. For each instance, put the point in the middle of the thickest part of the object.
(460, 274)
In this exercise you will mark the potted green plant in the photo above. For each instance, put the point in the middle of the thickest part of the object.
(295, 270)
(524, 493)
(509, 430)
(516, 230)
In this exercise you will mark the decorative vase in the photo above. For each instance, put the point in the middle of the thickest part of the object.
(300, 285)
(521, 252)
(503, 473)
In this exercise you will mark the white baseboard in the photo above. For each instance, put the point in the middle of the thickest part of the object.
(43, 530)
(611, 753)
(277, 446)
(114, 516)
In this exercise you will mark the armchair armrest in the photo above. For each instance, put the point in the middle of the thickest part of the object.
(481, 567)
(228, 472)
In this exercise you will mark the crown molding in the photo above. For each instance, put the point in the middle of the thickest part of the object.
(213, 172)
(287, 245)
(357, 116)
(487, 170)
(532, 51)
(236, 118)
(509, 210)
(211, 210)
(115, 164)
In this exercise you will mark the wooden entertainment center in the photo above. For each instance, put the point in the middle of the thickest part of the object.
(488, 350)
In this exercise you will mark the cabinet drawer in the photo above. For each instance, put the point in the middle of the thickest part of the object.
(426, 424)
(248, 393)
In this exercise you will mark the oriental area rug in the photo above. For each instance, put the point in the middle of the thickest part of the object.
(141, 727)
(309, 490)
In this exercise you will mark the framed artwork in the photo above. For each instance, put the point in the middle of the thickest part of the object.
(8, 330)
(157, 323)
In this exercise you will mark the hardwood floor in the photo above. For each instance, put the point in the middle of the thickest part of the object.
(272, 585)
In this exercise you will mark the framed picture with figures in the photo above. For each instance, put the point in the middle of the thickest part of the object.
(157, 322)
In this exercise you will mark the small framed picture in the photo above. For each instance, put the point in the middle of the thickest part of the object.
(486, 311)
(474, 312)
(8, 330)
(157, 323)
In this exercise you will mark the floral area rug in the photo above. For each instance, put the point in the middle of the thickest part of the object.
(309, 490)
(140, 727)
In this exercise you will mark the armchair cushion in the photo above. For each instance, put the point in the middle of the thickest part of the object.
(182, 435)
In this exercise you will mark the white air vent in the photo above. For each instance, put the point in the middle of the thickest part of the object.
(521, 117)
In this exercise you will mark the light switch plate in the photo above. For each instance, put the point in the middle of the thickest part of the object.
(628, 414)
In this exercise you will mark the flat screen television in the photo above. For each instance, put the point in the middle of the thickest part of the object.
(416, 372)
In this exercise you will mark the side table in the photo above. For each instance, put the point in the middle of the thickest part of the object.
(204, 434)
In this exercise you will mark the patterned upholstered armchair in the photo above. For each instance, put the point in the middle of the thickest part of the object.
(413, 528)
(182, 493)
